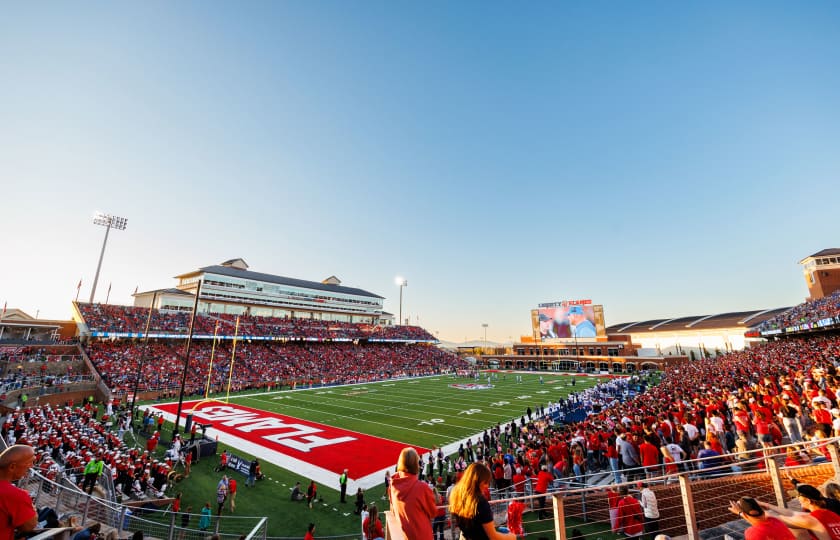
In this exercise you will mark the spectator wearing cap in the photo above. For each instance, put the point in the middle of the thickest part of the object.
(544, 479)
(822, 523)
(831, 503)
(762, 526)
(549, 328)
(582, 327)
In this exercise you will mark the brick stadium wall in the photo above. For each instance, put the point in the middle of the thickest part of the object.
(77, 395)
(827, 281)
(711, 498)
(55, 368)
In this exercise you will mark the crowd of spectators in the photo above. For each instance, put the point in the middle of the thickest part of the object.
(28, 354)
(68, 438)
(716, 411)
(128, 319)
(260, 364)
(25, 367)
(806, 313)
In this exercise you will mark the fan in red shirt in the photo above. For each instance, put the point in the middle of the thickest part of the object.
(630, 514)
(649, 455)
(518, 482)
(544, 478)
(822, 416)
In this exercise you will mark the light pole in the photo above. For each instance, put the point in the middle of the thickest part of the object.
(109, 222)
(402, 283)
(484, 325)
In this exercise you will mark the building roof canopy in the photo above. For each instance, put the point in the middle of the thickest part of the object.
(281, 280)
(733, 319)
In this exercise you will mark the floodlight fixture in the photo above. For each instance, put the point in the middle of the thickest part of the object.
(109, 222)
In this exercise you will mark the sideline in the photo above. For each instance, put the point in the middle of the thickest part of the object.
(325, 477)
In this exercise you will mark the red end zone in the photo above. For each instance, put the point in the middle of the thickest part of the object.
(325, 447)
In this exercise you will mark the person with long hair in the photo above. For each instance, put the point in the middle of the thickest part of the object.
(412, 500)
(470, 508)
(372, 525)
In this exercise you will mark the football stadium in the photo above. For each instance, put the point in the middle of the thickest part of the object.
(246, 404)
(473, 270)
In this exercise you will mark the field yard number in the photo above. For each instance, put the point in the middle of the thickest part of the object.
(500, 403)
(523, 397)
(432, 421)
(470, 411)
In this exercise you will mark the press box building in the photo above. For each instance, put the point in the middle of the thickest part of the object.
(232, 288)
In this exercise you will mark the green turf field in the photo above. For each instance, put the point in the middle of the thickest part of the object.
(424, 412)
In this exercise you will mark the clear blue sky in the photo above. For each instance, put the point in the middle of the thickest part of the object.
(660, 158)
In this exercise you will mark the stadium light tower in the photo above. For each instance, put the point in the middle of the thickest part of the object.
(484, 325)
(109, 222)
(402, 283)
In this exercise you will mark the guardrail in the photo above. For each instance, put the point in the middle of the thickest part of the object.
(692, 500)
(36, 390)
(125, 519)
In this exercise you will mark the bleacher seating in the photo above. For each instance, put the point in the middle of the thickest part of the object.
(259, 364)
(128, 319)
(805, 313)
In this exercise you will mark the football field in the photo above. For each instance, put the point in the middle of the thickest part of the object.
(320, 431)
(427, 412)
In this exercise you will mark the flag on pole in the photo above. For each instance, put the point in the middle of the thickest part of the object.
(109, 288)
(136, 288)
(4, 309)
(79, 286)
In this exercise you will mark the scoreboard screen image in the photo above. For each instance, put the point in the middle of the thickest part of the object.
(568, 321)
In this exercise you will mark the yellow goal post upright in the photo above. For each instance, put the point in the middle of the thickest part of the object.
(207, 398)
(232, 359)
(212, 356)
